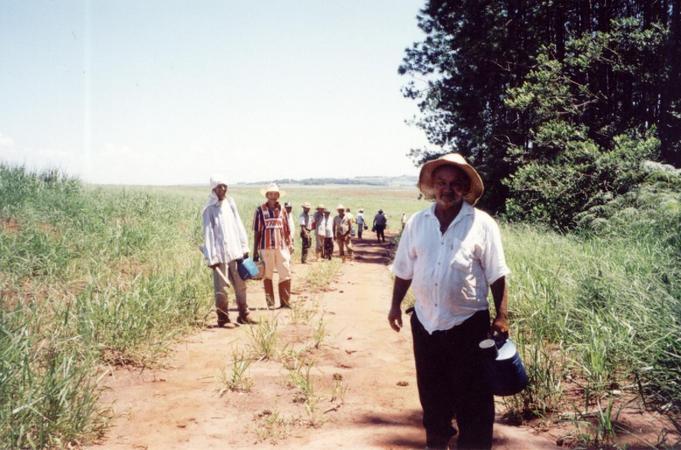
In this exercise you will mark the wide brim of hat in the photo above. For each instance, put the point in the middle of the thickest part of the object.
(425, 183)
(264, 192)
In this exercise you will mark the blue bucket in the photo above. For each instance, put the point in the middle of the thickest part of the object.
(247, 269)
(503, 367)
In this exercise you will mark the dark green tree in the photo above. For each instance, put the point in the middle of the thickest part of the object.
(614, 62)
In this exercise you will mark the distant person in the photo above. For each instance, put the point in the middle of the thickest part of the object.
(291, 223)
(450, 254)
(319, 230)
(380, 224)
(225, 243)
(327, 224)
(273, 244)
(361, 223)
(351, 217)
(341, 231)
(305, 220)
(403, 220)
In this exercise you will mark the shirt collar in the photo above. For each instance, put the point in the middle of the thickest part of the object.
(466, 210)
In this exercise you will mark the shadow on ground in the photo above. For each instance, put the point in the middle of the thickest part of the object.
(370, 251)
(413, 438)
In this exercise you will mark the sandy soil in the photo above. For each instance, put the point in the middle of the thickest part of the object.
(181, 405)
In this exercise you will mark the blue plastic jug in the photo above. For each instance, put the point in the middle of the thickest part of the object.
(247, 269)
(503, 367)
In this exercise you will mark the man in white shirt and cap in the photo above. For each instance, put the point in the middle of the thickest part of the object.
(225, 243)
(450, 254)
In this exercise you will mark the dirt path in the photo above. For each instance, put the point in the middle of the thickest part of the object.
(363, 379)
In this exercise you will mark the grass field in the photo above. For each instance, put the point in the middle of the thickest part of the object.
(91, 276)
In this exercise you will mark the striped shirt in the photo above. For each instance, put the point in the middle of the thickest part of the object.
(271, 224)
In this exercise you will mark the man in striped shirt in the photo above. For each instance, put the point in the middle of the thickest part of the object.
(273, 244)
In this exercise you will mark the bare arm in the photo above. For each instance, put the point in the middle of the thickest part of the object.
(500, 295)
(400, 288)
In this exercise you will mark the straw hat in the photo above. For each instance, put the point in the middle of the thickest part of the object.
(272, 187)
(425, 183)
(340, 206)
(306, 205)
(320, 206)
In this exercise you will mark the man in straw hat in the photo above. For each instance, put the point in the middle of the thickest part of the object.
(305, 220)
(225, 242)
(342, 225)
(450, 254)
(273, 244)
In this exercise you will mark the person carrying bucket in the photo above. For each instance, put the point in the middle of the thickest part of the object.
(225, 243)
(450, 254)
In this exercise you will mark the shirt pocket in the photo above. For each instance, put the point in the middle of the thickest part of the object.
(465, 283)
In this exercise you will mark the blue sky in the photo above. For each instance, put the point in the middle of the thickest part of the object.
(168, 92)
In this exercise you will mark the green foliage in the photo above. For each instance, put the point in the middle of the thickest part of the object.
(583, 176)
(546, 83)
(608, 306)
(86, 276)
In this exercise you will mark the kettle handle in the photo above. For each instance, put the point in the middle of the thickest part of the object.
(499, 338)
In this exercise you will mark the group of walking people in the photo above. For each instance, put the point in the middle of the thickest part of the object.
(226, 243)
(449, 254)
(341, 228)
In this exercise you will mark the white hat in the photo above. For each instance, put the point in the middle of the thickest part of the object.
(272, 187)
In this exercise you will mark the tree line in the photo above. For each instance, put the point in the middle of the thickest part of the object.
(556, 102)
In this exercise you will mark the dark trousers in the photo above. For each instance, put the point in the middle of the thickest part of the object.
(379, 233)
(307, 242)
(450, 382)
(328, 248)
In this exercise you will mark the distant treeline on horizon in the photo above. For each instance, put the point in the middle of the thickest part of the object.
(403, 180)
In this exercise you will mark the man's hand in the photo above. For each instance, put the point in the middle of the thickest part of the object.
(395, 318)
(256, 257)
(214, 266)
(245, 255)
(500, 325)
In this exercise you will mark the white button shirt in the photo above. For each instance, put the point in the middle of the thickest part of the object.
(450, 272)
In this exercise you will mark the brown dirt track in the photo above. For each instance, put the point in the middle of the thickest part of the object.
(180, 406)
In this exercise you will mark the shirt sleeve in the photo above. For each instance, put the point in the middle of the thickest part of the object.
(257, 221)
(208, 239)
(493, 259)
(403, 264)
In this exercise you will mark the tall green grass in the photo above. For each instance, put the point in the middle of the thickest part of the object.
(603, 312)
(87, 277)
(93, 276)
